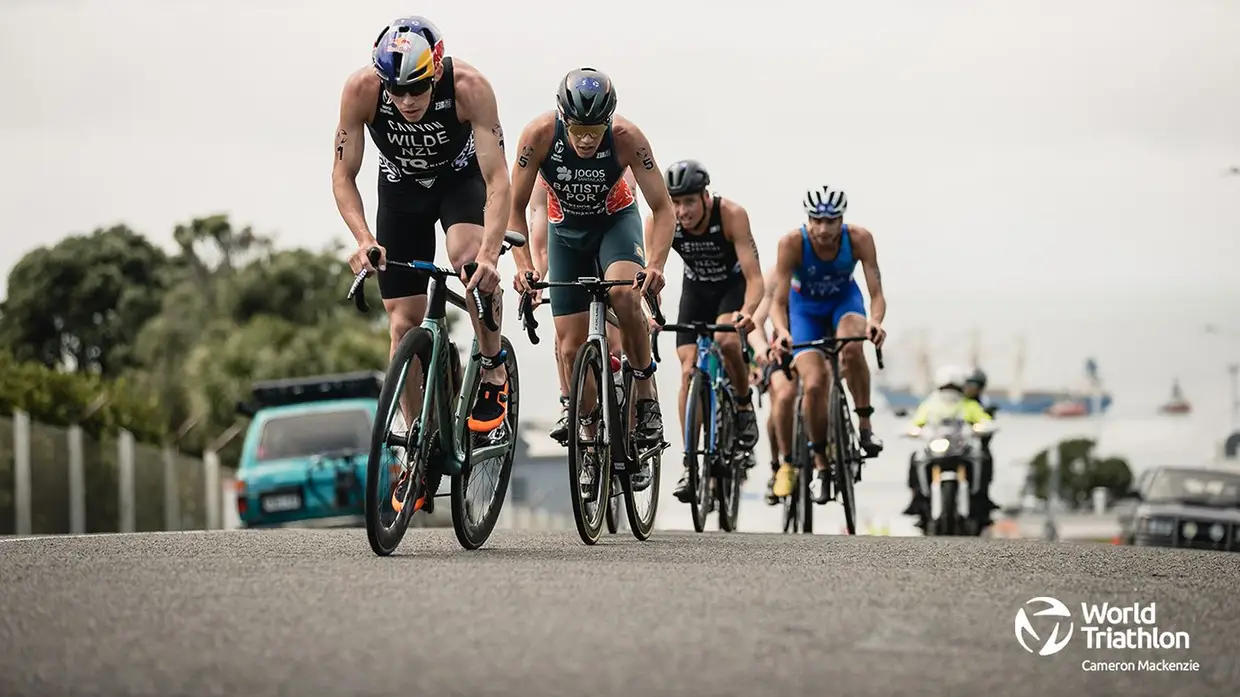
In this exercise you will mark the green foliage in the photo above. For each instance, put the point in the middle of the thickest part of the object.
(80, 303)
(1080, 472)
(174, 339)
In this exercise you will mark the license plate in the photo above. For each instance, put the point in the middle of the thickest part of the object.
(279, 503)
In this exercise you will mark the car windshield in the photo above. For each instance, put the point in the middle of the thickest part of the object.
(1212, 488)
(303, 435)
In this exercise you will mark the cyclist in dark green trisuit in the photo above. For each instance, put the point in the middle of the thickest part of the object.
(582, 149)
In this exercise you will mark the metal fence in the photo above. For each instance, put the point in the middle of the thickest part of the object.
(57, 480)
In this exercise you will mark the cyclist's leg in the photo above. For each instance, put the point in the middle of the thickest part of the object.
(734, 361)
(568, 261)
(621, 256)
(405, 227)
(696, 305)
(815, 386)
(850, 321)
(783, 392)
(462, 218)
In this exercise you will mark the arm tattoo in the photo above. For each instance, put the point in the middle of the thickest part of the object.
(644, 155)
(341, 139)
(753, 243)
(498, 132)
(523, 160)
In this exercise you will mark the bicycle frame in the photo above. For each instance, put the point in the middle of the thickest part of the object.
(438, 396)
(710, 363)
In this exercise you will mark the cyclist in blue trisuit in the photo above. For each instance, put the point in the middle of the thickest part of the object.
(722, 285)
(815, 296)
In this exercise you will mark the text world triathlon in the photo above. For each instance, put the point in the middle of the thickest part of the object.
(1100, 632)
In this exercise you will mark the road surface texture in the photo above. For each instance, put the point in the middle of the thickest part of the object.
(313, 612)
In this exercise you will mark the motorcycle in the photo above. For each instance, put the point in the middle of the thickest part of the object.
(949, 474)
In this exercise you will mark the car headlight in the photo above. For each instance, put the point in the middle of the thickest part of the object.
(1189, 530)
(1161, 527)
(939, 446)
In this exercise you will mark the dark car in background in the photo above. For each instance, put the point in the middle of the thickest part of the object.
(1187, 507)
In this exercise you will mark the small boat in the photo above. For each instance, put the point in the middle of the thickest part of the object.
(1177, 405)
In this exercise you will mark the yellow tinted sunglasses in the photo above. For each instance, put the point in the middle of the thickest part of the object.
(578, 130)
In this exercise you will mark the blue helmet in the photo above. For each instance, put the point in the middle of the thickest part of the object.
(407, 52)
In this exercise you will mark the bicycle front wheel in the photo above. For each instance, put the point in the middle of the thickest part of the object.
(804, 461)
(698, 448)
(728, 474)
(478, 492)
(586, 453)
(640, 485)
(395, 475)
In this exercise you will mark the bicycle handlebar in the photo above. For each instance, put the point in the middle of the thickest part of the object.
(357, 290)
(526, 307)
(699, 328)
(831, 344)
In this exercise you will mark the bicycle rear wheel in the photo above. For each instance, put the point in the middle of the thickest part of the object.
(842, 451)
(613, 513)
(697, 448)
(385, 526)
(472, 521)
(728, 467)
(589, 511)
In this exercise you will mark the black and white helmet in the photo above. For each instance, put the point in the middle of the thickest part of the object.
(823, 202)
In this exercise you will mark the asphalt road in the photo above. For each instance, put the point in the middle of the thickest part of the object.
(313, 612)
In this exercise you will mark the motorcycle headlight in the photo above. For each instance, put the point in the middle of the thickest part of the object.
(939, 446)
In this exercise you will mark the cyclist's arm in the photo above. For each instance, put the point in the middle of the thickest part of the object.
(347, 150)
(760, 339)
(736, 228)
(787, 258)
(477, 104)
(633, 151)
(867, 254)
(538, 227)
(531, 149)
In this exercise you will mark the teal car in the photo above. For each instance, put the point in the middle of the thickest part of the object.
(304, 455)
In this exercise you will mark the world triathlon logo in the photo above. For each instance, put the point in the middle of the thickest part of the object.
(1029, 637)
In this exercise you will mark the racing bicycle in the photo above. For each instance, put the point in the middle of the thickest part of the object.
(406, 466)
(611, 447)
(714, 464)
(842, 444)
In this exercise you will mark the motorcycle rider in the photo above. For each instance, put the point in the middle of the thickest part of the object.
(975, 388)
(948, 401)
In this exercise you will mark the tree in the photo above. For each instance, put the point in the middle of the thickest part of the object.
(1080, 472)
(80, 304)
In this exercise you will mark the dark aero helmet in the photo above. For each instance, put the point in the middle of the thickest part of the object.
(687, 177)
(586, 96)
(408, 51)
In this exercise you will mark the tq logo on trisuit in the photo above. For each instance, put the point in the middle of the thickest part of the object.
(1026, 634)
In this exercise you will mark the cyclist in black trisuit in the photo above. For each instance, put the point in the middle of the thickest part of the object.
(435, 122)
(722, 285)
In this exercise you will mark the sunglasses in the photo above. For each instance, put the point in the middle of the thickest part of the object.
(578, 130)
(413, 89)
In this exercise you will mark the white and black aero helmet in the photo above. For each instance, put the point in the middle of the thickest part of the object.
(825, 202)
(687, 177)
(586, 96)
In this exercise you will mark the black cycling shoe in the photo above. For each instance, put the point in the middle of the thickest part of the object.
(747, 429)
(649, 421)
(683, 493)
(560, 433)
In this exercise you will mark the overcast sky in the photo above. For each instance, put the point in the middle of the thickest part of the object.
(1080, 144)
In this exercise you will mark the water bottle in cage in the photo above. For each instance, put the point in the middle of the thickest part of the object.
(617, 376)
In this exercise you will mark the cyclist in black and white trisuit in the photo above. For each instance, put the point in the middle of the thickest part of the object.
(435, 122)
(722, 285)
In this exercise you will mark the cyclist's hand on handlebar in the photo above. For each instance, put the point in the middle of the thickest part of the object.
(782, 344)
(523, 282)
(653, 281)
(485, 278)
(359, 260)
(874, 330)
(742, 322)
